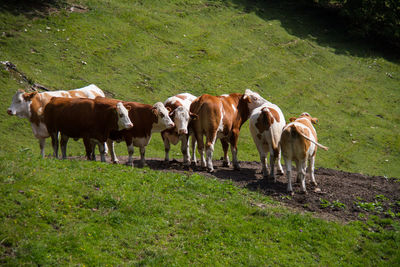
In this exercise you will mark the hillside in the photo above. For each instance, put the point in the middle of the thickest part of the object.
(76, 212)
(148, 51)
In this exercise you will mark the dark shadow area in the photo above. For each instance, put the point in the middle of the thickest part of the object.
(32, 8)
(322, 25)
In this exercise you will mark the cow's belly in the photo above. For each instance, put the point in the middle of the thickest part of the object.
(40, 131)
(141, 141)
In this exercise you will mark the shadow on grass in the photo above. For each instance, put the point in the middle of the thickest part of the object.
(32, 8)
(322, 25)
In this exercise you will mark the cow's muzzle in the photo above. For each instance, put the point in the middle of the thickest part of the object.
(9, 112)
(182, 131)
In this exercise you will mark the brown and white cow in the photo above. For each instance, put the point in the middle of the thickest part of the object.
(299, 144)
(147, 119)
(180, 114)
(218, 117)
(266, 123)
(90, 119)
(31, 106)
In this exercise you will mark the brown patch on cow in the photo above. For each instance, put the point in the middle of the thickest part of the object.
(275, 114)
(306, 121)
(36, 113)
(173, 106)
(29, 96)
(265, 120)
(292, 119)
(181, 97)
(76, 94)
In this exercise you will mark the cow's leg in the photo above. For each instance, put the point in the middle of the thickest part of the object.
(200, 149)
(280, 169)
(88, 148)
(233, 141)
(193, 143)
(311, 170)
(301, 169)
(93, 153)
(210, 142)
(105, 148)
(288, 165)
(102, 151)
(142, 152)
(63, 143)
(54, 143)
(110, 144)
(225, 146)
(185, 149)
(42, 143)
(167, 147)
(129, 145)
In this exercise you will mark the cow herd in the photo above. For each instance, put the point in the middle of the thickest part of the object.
(86, 113)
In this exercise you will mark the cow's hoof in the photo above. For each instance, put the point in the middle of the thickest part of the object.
(130, 164)
(314, 183)
(291, 193)
(279, 172)
(225, 164)
(115, 162)
(210, 170)
(304, 192)
(236, 168)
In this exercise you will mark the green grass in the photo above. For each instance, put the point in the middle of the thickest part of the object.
(72, 213)
(76, 212)
(149, 50)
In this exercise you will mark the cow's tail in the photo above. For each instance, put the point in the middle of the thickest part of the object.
(270, 120)
(294, 130)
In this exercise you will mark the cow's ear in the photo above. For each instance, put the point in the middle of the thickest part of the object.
(29, 96)
(128, 108)
(314, 120)
(21, 91)
(247, 98)
(193, 116)
(292, 119)
(154, 110)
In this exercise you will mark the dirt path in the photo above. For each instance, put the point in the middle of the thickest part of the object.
(340, 195)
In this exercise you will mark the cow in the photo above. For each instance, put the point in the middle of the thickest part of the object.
(90, 119)
(266, 123)
(299, 143)
(180, 114)
(218, 117)
(147, 119)
(31, 106)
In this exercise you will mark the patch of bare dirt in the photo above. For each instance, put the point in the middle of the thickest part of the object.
(339, 195)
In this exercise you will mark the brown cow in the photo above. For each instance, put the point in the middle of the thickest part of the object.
(31, 106)
(218, 117)
(148, 119)
(92, 120)
(299, 143)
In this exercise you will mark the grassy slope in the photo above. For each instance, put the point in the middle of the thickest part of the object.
(51, 212)
(59, 213)
(147, 52)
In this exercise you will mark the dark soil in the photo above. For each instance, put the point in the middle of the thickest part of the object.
(339, 195)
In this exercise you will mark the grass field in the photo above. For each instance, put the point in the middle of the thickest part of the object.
(69, 212)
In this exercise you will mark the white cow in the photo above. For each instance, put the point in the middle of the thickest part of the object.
(179, 106)
(266, 124)
(31, 106)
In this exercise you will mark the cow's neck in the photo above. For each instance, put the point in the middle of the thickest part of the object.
(36, 110)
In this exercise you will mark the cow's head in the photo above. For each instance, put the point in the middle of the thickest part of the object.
(253, 99)
(20, 104)
(307, 116)
(123, 116)
(181, 117)
(163, 120)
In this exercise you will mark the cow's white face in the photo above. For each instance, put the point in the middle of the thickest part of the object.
(254, 99)
(181, 117)
(164, 121)
(123, 117)
(20, 106)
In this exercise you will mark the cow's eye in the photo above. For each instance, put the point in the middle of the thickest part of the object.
(161, 115)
